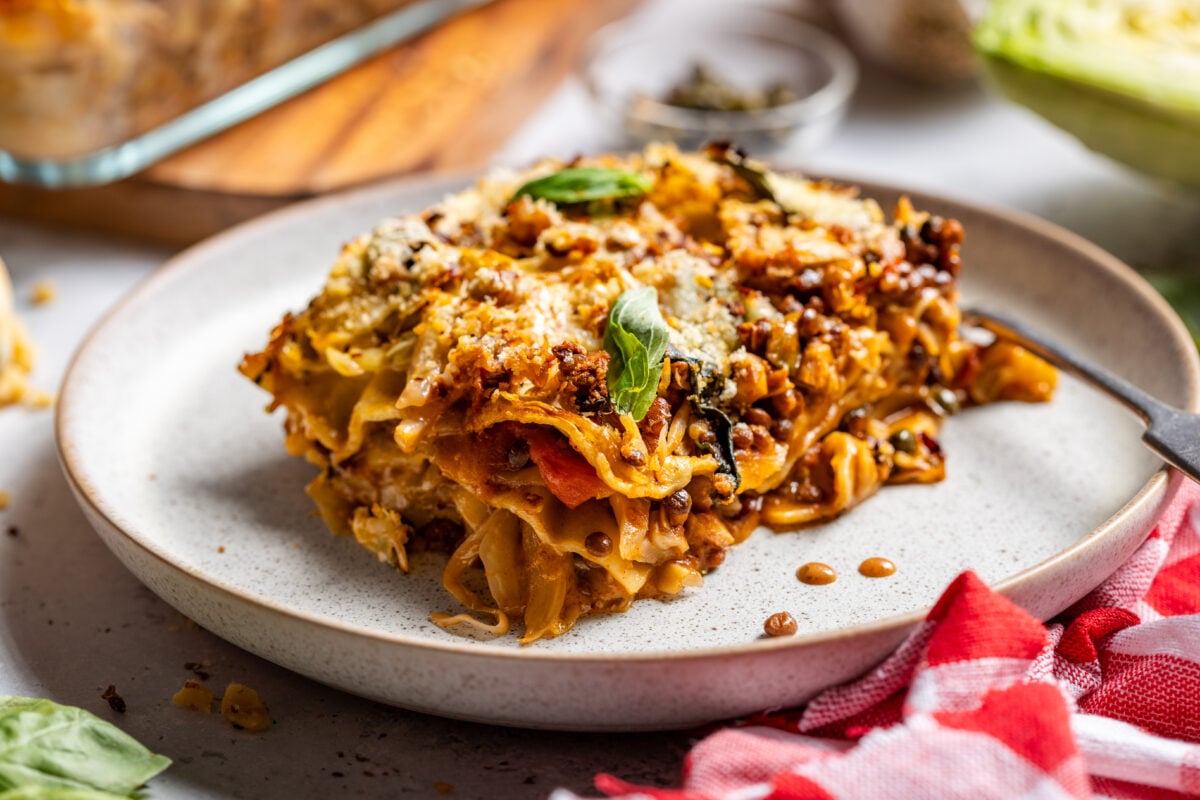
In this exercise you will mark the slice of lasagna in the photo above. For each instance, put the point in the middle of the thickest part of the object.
(585, 382)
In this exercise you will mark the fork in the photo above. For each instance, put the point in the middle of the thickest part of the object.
(1171, 433)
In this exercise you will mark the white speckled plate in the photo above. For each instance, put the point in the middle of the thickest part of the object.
(186, 479)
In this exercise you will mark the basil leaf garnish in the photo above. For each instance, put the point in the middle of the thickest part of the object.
(44, 745)
(585, 184)
(758, 179)
(636, 341)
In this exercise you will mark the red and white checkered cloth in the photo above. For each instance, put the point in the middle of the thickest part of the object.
(983, 701)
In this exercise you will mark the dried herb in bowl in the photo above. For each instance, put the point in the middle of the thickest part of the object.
(705, 90)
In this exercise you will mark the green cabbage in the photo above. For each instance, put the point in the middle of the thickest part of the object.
(1123, 76)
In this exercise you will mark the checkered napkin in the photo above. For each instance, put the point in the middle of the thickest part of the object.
(983, 701)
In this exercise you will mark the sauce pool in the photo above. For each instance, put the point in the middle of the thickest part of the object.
(876, 568)
(814, 573)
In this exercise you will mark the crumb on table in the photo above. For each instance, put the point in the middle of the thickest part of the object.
(43, 292)
(5, 499)
(244, 709)
(16, 351)
(199, 668)
(194, 695)
(14, 369)
(114, 700)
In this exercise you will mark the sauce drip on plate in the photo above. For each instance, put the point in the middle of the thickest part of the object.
(814, 573)
(876, 568)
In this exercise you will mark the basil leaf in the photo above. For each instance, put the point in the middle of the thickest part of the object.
(585, 184)
(44, 744)
(758, 179)
(636, 341)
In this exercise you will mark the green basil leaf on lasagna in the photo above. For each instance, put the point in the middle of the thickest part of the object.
(636, 340)
(585, 185)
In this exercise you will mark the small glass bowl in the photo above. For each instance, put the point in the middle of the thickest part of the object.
(630, 70)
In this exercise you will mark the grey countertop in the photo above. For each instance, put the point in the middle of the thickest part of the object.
(73, 621)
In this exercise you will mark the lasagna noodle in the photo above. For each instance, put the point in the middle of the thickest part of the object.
(452, 385)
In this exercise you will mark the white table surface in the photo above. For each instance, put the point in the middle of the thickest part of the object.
(73, 621)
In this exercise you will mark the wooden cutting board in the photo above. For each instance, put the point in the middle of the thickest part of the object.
(446, 99)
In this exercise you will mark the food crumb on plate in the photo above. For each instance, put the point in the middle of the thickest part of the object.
(5, 499)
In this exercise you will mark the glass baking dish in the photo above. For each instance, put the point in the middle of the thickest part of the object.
(92, 91)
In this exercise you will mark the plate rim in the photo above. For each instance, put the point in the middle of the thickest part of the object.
(89, 495)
